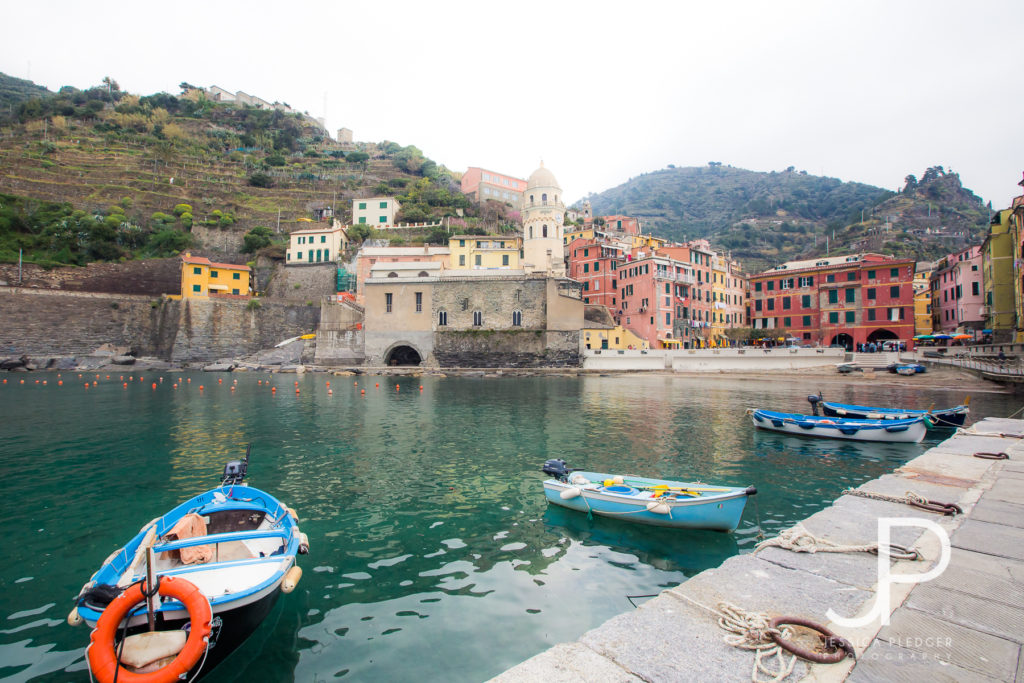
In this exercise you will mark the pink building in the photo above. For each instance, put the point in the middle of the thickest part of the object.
(626, 224)
(370, 256)
(958, 293)
(481, 185)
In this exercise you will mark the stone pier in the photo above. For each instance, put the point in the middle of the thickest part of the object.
(967, 624)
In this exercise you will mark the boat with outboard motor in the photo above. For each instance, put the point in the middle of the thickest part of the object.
(659, 502)
(944, 418)
(192, 585)
(893, 431)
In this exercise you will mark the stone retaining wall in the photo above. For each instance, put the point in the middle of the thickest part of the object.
(151, 277)
(507, 349)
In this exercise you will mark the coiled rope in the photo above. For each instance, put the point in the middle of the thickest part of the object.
(753, 631)
(909, 498)
(799, 540)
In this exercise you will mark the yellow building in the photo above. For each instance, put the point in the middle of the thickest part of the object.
(201, 277)
(998, 280)
(485, 252)
(577, 233)
(614, 338)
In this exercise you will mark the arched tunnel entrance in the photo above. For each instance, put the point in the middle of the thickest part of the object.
(403, 355)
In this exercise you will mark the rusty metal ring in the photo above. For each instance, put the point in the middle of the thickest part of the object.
(992, 456)
(941, 508)
(838, 647)
(899, 552)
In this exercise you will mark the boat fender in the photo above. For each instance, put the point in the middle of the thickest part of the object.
(751, 491)
(840, 411)
(659, 507)
(303, 543)
(74, 618)
(102, 656)
(293, 513)
(578, 480)
(291, 579)
(617, 480)
(570, 493)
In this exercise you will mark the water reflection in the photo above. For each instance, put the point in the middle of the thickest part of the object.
(433, 550)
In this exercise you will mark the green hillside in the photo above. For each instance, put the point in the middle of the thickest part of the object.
(766, 218)
(14, 91)
(99, 174)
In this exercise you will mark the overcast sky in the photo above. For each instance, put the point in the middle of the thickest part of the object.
(601, 91)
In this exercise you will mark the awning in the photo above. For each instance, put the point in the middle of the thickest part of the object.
(963, 336)
(224, 287)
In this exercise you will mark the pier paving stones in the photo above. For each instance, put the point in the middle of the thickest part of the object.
(993, 539)
(893, 664)
(948, 642)
(965, 625)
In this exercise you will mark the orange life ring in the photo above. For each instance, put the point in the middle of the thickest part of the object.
(102, 653)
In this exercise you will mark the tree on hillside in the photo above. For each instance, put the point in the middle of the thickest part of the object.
(256, 239)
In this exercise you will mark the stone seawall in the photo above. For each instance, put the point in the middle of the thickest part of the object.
(211, 330)
(507, 349)
(38, 322)
(150, 277)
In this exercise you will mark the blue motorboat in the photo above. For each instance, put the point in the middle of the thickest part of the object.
(192, 584)
(894, 431)
(948, 418)
(659, 502)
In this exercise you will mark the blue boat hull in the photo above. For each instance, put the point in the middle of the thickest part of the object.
(949, 418)
(717, 508)
(891, 431)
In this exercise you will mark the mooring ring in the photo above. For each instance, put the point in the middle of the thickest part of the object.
(941, 508)
(992, 456)
(839, 648)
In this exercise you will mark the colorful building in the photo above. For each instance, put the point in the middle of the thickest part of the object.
(922, 299)
(201, 277)
(842, 300)
(617, 338)
(958, 300)
(481, 185)
(625, 224)
(997, 255)
(319, 244)
(1017, 239)
(377, 212)
(368, 257)
(485, 252)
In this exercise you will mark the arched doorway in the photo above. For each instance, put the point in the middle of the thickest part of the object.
(403, 355)
(844, 340)
(881, 335)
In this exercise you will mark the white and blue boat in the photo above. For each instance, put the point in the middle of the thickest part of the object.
(948, 418)
(658, 502)
(910, 430)
(218, 562)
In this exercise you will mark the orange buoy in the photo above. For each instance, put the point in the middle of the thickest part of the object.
(328, 384)
(97, 376)
(377, 385)
(362, 392)
(86, 385)
(60, 382)
(44, 381)
(421, 387)
(175, 385)
(200, 387)
(273, 390)
(5, 381)
(121, 378)
(154, 385)
(108, 377)
(94, 383)
(220, 381)
(296, 382)
(396, 387)
(37, 381)
(259, 381)
(330, 392)
(232, 388)
(189, 380)
(131, 378)
(126, 385)
(23, 381)
(355, 384)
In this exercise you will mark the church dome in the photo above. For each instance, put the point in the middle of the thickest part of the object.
(542, 177)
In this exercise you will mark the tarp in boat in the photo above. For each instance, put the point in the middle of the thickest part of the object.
(191, 526)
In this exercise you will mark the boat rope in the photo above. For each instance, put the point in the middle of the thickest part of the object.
(971, 431)
(752, 631)
(909, 498)
(992, 456)
(799, 540)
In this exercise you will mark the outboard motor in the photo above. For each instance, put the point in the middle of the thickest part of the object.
(556, 468)
(234, 470)
(814, 401)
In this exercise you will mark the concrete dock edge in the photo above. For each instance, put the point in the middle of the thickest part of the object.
(965, 624)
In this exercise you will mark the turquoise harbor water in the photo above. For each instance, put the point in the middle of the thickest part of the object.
(434, 555)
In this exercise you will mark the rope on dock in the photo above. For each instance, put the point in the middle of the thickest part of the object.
(971, 431)
(799, 540)
(909, 498)
(752, 631)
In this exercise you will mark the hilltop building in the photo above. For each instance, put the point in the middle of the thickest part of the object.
(844, 300)
(377, 212)
(480, 185)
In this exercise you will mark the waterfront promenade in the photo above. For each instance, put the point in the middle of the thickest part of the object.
(964, 625)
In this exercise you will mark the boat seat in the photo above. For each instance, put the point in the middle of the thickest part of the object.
(232, 550)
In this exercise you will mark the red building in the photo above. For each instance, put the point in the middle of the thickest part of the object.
(596, 264)
(846, 300)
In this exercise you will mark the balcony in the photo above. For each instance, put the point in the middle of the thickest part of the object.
(683, 278)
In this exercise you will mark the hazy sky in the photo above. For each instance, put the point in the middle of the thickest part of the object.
(601, 91)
